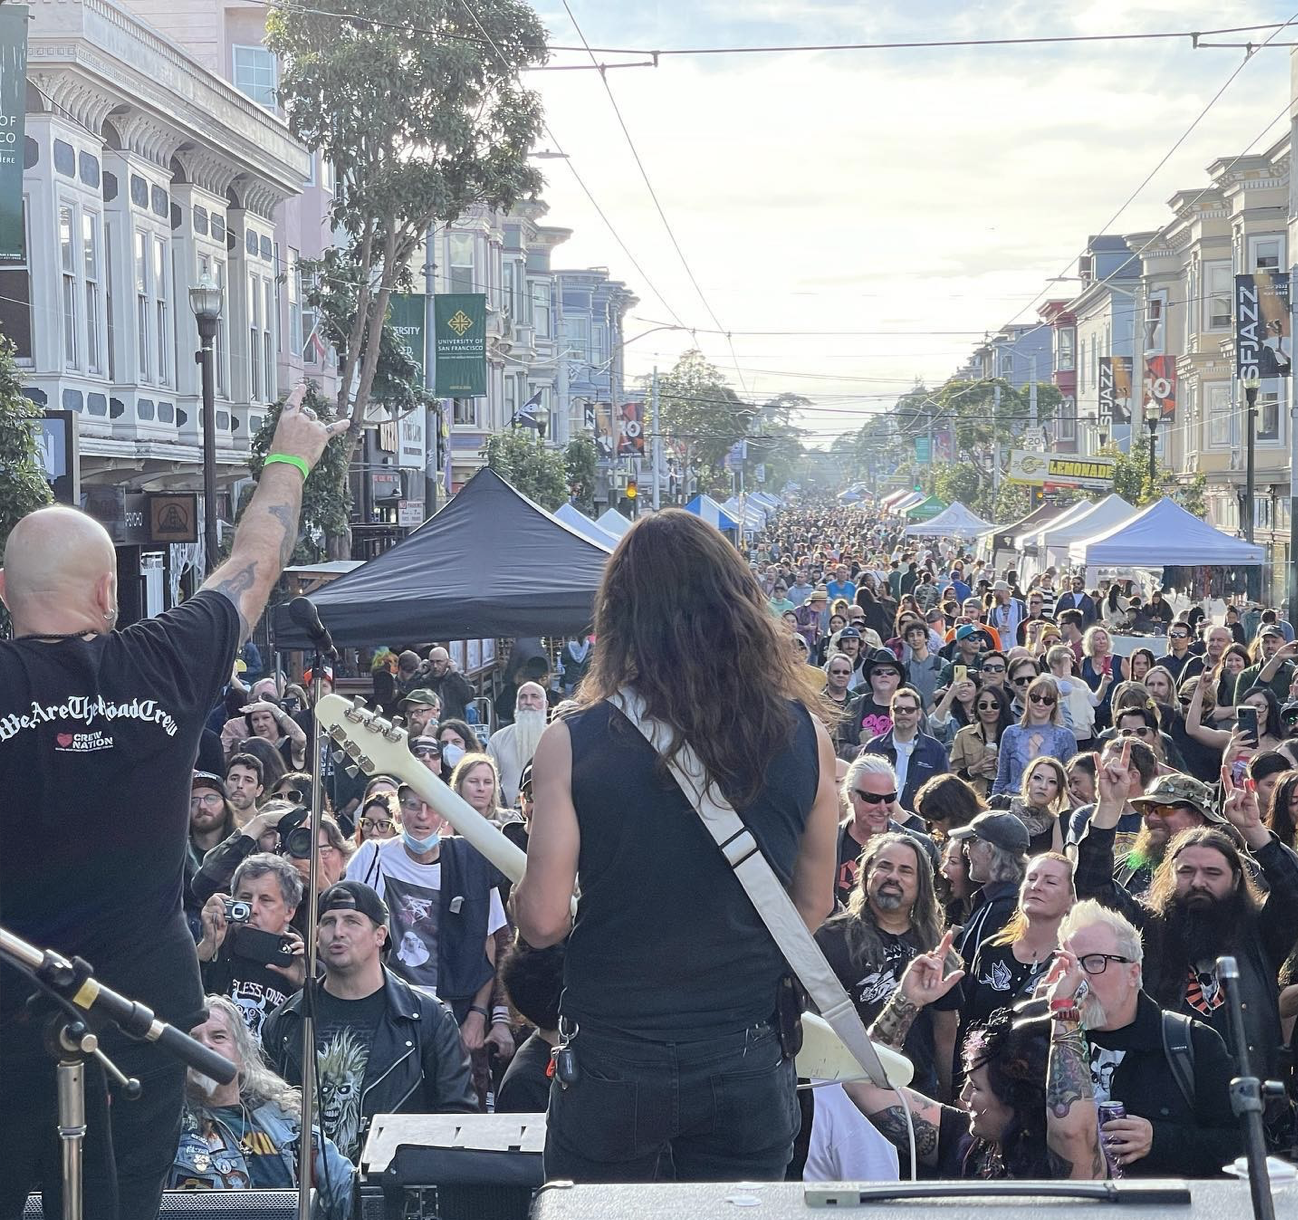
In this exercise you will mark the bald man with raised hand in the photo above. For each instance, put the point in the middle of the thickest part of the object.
(98, 733)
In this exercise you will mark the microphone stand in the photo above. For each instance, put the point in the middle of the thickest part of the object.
(70, 1040)
(306, 1165)
(1246, 1096)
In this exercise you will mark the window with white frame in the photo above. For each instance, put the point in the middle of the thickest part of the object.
(109, 300)
(255, 74)
(68, 262)
(221, 344)
(464, 412)
(1219, 410)
(270, 315)
(142, 318)
(1266, 253)
(511, 399)
(1217, 296)
(459, 249)
(1156, 324)
(541, 309)
(161, 308)
(293, 290)
(576, 336)
(312, 346)
(508, 291)
(254, 336)
(15, 300)
(94, 310)
(1065, 348)
(1268, 410)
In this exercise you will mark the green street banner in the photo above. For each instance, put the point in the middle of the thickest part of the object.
(13, 105)
(460, 335)
(406, 319)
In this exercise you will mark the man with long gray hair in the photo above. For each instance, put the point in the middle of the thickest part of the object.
(245, 1134)
(893, 915)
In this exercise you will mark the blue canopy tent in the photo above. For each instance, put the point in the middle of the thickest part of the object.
(712, 512)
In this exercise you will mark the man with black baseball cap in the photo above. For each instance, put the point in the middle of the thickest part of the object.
(382, 1046)
(995, 846)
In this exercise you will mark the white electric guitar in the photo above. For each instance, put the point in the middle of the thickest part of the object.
(378, 747)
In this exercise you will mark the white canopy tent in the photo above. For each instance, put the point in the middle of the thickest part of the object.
(1055, 540)
(578, 520)
(1029, 539)
(754, 515)
(955, 521)
(765, 500)
(1164, 534)
(612, 522)
(712, 512)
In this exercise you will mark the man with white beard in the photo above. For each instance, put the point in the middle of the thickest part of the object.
(512, 747)
(244, 1135)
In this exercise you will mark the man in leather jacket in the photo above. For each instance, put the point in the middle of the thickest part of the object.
(383, 1046)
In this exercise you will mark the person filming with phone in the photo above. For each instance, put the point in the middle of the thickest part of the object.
(249, 951)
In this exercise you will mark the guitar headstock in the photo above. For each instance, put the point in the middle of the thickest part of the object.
(374, 744)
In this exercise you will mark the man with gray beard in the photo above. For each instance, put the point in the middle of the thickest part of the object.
(512, 747)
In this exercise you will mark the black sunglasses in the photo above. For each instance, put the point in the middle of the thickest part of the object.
(1046, 700)
(874, 798)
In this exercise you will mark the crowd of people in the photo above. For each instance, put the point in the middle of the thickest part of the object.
(1040, 848)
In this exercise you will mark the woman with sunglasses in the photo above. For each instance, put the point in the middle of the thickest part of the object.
(1039, 732)
(975, 747)
(1041, 802)
(380, 817)
(954, 711)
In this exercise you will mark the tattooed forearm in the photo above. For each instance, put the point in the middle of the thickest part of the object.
(891, 1124)
(1068, 1073)
(893, 1024)
(287, 516)
(234, 584)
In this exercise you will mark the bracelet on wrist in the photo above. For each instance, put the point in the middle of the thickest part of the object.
(482, 1012)
(288, 459)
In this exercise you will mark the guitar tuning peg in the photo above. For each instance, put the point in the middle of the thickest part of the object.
(376, 724)
(353, 772)
(358, 703)
(398, 722)
(356, 713)
(338, 733)
(366, 764)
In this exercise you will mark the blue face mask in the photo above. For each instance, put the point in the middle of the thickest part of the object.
(420, 846)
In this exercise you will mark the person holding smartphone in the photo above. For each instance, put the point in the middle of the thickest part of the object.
(1097, 661)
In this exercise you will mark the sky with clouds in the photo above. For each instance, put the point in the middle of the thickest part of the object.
(914, 198)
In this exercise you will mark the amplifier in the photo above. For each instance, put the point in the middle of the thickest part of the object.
(456, 1166)
(1122, 1200)
(210, 1205)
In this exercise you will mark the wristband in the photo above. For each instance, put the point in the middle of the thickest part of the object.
(1063, 1002)
(499, 1015)
(289, 459)
(482, 1012)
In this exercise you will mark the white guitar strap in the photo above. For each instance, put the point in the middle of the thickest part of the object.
(763, 888)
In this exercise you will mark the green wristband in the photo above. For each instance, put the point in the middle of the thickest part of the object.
(289, 459)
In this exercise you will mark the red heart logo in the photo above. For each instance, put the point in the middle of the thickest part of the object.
(65, 739)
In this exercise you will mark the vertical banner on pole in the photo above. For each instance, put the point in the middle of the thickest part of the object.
(605, 441)
(1160, 386)
(460, 328)
(630, 440)
(1115, 389)
(1263, 338)
(13, 107)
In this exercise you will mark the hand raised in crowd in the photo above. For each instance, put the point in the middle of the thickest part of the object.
(1064, 980)
(299, 433)
(295, 971)
(215, 927)
(1113, 780)
(1240, 808)
(263, 705)
(926, 979)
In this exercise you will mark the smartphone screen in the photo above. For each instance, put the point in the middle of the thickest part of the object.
(1246, 715)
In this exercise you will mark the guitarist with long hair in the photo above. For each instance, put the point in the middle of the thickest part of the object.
(669, 1037)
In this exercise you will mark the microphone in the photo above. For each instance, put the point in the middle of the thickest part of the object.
(303, 612)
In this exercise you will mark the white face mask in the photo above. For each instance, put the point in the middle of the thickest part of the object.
(451, 754)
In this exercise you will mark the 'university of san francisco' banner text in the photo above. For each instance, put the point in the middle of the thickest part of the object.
(460, 335)
(13, 104)
(1263, 343)
(1115, 389)
(408, 320)
(1160, 385)
(630, 433)
(1060, 470)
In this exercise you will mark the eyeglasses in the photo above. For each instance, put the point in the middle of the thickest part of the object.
(874, 798)
(1098, 963)
(988, 707)
(384, 824)
(1143, 731)
(904, 709)
(290, 794)
(427, 752)
(993, 669)
(210, 799)
(412, 806)
(1178, 635)
(1045, 700)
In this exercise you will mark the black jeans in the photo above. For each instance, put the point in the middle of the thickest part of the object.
(129, 1145)
(721, 1109)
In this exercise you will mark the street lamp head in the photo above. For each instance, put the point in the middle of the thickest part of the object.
(1251, 382)
(205, 299)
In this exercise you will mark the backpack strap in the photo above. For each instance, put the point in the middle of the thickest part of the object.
(1178, 1049)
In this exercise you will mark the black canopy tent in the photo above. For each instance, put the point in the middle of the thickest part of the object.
(490, 563)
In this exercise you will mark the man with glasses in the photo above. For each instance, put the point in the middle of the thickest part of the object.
(870, 793)
(1178, 655)
(916, 757)
(421, 708)
(1134, 1061)
(1077, 598)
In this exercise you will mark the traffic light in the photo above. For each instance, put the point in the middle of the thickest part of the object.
(631, 490)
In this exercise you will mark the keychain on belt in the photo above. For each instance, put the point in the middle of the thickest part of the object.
(565, 1060)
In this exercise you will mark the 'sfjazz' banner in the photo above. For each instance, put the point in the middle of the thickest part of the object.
(1263, 339)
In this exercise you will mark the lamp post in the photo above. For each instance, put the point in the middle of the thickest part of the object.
(205, 301)
(542, 415)
(1251, 383)
(1151, 422)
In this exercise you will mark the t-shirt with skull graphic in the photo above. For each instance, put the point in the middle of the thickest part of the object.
(344, 1031)
(870, 984)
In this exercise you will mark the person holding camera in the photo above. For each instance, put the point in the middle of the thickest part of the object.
(249, 951)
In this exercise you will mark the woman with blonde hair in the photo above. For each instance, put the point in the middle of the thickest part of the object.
(476, 779)
(1042, 800)
(1039, 732)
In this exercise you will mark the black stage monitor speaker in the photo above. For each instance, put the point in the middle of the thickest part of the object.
(1123, 1200)
(209, 1205)
(456, 1166)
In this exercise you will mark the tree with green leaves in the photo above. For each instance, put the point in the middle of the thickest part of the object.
(527, 466)
(326, 496)
(23, 487)
(580, 460)
(700, 410)
(1131, 479)
(418, 107)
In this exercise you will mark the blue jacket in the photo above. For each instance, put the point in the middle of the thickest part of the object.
(926, 760)
(334, 1174)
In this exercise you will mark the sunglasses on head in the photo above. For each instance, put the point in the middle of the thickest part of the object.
(1045, 700)
(874, 798)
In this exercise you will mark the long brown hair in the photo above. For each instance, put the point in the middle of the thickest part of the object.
(681, 619)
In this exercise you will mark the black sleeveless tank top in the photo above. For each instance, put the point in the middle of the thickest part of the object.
(666, 944)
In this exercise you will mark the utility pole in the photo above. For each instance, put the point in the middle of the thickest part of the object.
(996, 443)
(657, 440)
(1251, 384)
(1032, 389)
(433, 415)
